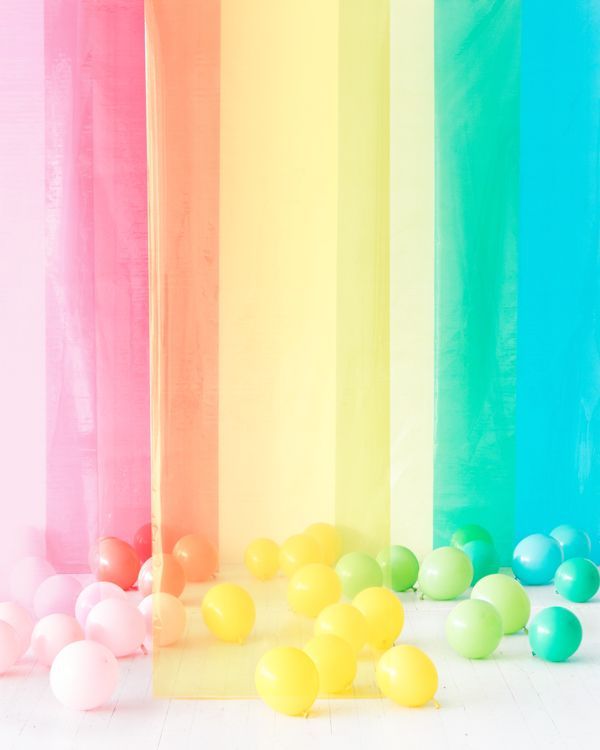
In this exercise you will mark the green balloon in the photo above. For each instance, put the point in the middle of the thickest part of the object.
(445, 573)
(474, 629)
(470, 533)
(555, 634)
(358, 571)
(483, 557)
(400, 567)
(577, 579)
(508, 596)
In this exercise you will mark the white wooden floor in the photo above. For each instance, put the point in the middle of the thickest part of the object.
(510, 701)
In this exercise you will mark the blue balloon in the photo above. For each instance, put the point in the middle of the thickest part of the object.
(536, 559)
(484, 558)
(573, 542)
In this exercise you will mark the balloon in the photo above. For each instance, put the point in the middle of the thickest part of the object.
(346, 622)
(197, 556)
(536, 559)
(577, 579)
(84, 675)
(470, 533)
(384, 614)
(474, 629)
(55, 595)
(51, 634)
(94, 593)
(573, 542)
(167, 572)
(312, 588)
(329, 540)
(165, 618)
(400, 567)
(407, 675)
(20, 619)
(335, 661)
(445, 573)
(9, 646)
(115, 561)
(555, 634)
(358, 571)
(25, 577)
(287, 680)
(229, 613)
(483, 557)
(297, 551)
(508, 597)
(117, 624)
(262, 558)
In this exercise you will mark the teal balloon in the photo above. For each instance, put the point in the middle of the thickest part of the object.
(400, 567)
(474, 629)
(358, 571)
(555, 634)
(445, 574)
(536, 559)
(472, 532)
(577, 579)
(483, 557)
(573, 542)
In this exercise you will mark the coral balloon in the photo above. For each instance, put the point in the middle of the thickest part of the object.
(287, 680)
(166, 571)
(384, 614)
(92, 594)
(470, 533)
(577, 579)
(142, 542)
(536, 559)
(117, 624)
(20, 619)
(358, 571)
(345, 621)
(328, 539)
(400, 567)
(56, 595)
(407, 676)
(116, 561)
(165, 618)
(197, 556)
(297, 551)
(573, 542)
(445, 574)
(25, 577)
(9, 646)
(474, 629)
(312, 588)
(555, 634)
(229, 613)
(84, 675)
(508, 597)
(262, 558)
(335, 661)
(51, 634)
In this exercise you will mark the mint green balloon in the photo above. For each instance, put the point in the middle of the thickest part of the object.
(445, 573)
(577, 579)
(474, 629)
(472, 532)
(555, 634)
(400, 567)
(358, 571)
(508, 596)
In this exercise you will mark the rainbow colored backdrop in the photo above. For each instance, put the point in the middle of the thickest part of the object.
(373, 289)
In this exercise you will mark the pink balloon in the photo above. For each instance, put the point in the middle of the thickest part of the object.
(84, 675)
(17, 616)
(56, 595)
(165, 618)
(25, 577)
(94, 593)
(9, 646)
(51, 634)
(118, 625)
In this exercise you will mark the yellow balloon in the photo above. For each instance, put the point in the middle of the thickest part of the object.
(346, 622)
(287, 680)
(262, 558)
(407, 675)
(384, 614)
(335, 661)
(229, 612)
(329, 540)
(297, 551)
(312, 588)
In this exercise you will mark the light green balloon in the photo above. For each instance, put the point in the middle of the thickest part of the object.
(400, 567)
(474, 629)
(508, 596)
(445, 573)
(358, 571)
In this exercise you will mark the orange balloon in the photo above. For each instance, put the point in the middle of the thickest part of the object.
(166, 572)
(197, 556)
(116, 561)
